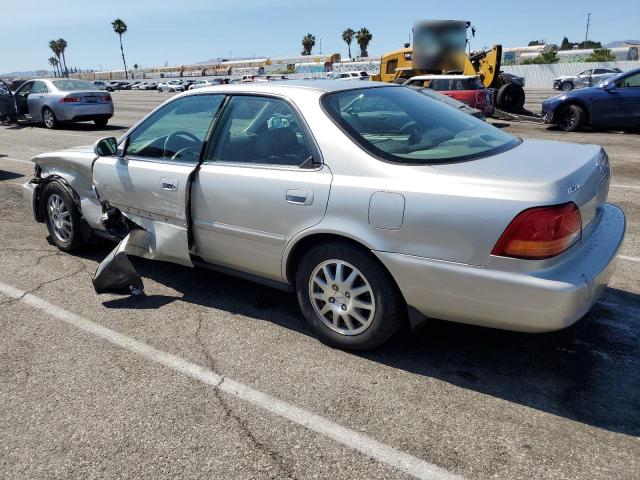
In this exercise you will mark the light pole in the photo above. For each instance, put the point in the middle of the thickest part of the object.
(586, 33)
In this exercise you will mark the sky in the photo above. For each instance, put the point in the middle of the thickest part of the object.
(194, 31)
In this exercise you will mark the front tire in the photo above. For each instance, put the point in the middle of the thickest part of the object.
(566, 86)
(62, 217)
(49, 118)
(571, 118)
(348, 298)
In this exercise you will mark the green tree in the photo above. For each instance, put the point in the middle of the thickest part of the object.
(601, 55)
(534, 43)
(55, 48)
(62, 45)
(53, 61)
(543, 58)
(347, 36)
(363, 37)
(566, 44)
(120, 28)
(308, 42)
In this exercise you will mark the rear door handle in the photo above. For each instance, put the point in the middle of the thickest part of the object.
(170, 184)
(300, 197)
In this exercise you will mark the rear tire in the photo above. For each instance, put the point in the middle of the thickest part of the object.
(49, 118)
(101, 122)
(62, 217)
(571, 118)
(348, 298)
(510, 98)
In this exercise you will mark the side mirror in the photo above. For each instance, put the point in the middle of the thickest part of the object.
(609, 86)
(106, 147)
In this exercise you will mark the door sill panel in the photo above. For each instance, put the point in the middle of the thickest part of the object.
(199, 262)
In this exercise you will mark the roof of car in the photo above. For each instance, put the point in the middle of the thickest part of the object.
(282, 86)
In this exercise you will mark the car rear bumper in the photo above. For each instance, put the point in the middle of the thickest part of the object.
(538, 301)
(84, 112)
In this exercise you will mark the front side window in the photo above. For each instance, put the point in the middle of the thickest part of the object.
(401, 125)
(630, 81)
(25, 89)
(177, 131)
(260, 130)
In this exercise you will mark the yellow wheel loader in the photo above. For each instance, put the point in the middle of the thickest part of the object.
(439, 48)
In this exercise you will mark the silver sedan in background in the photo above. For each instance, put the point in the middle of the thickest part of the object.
(52, 101)
(378, 205)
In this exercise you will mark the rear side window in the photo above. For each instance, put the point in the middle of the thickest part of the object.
(39, 87)
(453, 84)
(401, 125)
(260, 130)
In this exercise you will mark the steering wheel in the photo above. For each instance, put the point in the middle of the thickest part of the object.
(413, 130)
(179, 133)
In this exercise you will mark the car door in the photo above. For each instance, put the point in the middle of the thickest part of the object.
(628, 90)
(21, 98)
(36, 99)
(258, 186)
(149, 178)
(583, 79)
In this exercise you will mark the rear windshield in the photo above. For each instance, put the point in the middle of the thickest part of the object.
(401, 125)
(448, 84)
(72, 85)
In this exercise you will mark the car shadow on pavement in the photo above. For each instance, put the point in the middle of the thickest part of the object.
(588, 373)
(4, 175)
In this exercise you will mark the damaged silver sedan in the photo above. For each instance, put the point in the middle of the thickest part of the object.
(378, 205)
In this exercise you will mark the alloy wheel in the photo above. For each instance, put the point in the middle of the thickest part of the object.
(60, 218)
(342, 297)
(49, 119)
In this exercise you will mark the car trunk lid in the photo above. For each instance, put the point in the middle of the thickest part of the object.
(556, 172)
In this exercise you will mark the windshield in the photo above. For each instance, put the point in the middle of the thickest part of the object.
(72, 85)
(401, 125)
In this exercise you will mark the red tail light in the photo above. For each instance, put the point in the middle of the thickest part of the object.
(541, 232)
(71, 100)
(106, 98)
(480, 97)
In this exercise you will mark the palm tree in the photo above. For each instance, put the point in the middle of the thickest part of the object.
(120, 28)
(62, 45)
(55, 48)
(53, 61)
(363, 37)
(308, 41)
(347, 36)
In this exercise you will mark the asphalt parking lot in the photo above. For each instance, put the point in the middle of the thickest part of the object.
(209, 376)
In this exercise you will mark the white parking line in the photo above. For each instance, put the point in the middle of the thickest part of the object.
(633, 187)
(405, 462)
(630, 259)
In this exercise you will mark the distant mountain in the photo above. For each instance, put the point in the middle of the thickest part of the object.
(620, 43)
(26, 74)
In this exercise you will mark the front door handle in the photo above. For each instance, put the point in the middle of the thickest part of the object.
(170, 184)
(300, 197)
